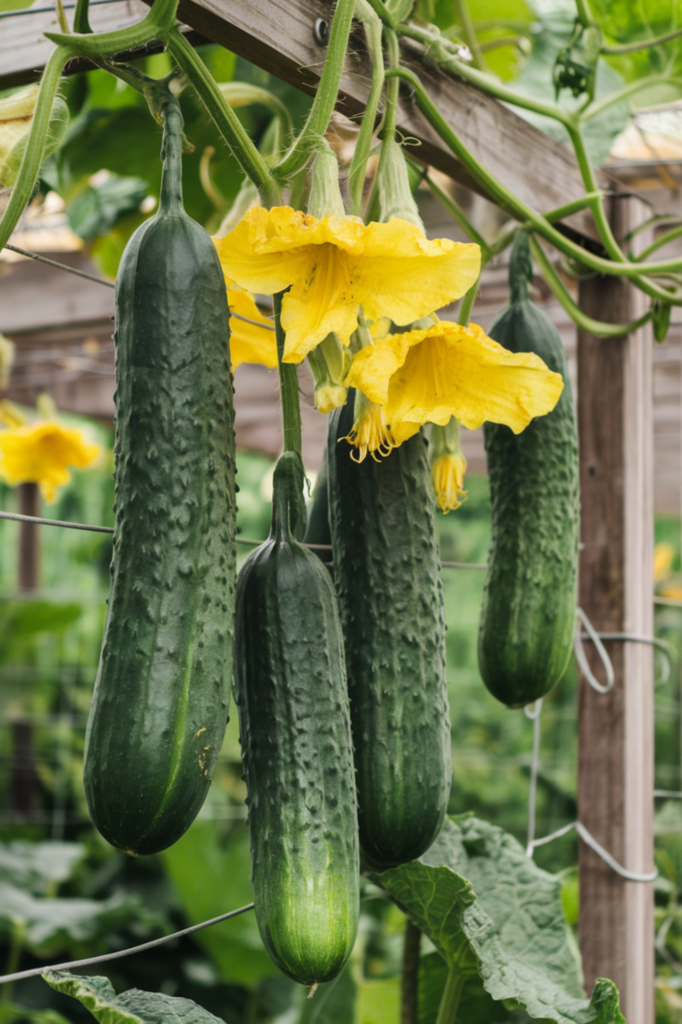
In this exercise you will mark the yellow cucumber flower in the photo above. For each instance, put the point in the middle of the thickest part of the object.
(40, 453)
(446, 370)
(335, 265)
(250, 343)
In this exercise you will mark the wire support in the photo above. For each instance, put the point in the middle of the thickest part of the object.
(91, 277)
(534, 717)
(591, 634)
(601, 651)
(35, 971)
(109, 529)
(56, 522)
(588, 838)
(59, 266)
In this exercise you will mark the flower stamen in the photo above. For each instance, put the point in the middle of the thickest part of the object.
(370, 432)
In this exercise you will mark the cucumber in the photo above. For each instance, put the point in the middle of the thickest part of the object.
(317, 531)
(387, 575)
(160, 703)
(290, 689)
(528, 615)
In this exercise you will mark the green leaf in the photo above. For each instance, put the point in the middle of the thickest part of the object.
(223, 883)
(21, 619)
(49, 927)
(511, 925)
(11, 1012)
(96, 209)
(38, 867)
(132, 1007)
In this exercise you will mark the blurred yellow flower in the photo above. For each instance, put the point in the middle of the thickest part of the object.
(673, 590)
(40, 453)
(336, 265)
(663, 559)
(249, 343)
(445, 370)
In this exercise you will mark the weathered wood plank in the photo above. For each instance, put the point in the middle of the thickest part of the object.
(278, 36)
(615, 747)
(24, 50)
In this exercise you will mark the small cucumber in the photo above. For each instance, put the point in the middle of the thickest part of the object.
(387, 575)
(160, 704)
(290, 689)
(528, 615)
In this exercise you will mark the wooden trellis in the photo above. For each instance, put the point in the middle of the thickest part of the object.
(616, 753)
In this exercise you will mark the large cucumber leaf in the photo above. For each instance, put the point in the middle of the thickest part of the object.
(132, 1007)
(49, 927)
(487, 907)
(39, 868)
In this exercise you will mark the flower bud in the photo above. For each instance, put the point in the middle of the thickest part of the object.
(395, 194)
(16, 115)
(325, 195)
(328, 363)
(448, 465)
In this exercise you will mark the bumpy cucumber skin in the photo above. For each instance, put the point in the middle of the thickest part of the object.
(388, 580)
(528, 614)
(290, 689)
(160, 704)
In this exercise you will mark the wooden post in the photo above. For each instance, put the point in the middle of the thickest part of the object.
(616, 748)
(29, 505)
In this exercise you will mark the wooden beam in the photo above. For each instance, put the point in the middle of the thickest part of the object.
(615, 746)
(278, 36)
(24, 51)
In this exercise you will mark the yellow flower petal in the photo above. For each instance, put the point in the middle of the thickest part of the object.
(337, 264)
(248, 342)
(320, 303)
(41, 452)
(407, 276)
(448, 370)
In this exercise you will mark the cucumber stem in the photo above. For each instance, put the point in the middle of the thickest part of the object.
(409, 981)
(452, 993)
(170, 199)
(288, 387)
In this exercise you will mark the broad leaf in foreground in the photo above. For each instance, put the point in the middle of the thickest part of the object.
(132, 1007)
(506, 921)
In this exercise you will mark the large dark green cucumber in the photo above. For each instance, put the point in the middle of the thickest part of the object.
(528, 615)
(290, 688)
(387, 574)
(160, 704)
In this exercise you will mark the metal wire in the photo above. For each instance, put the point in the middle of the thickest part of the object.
(53, 263)
(601, 650)
(534, 717)
(587, 837)
(55, 522)
(35, 971)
